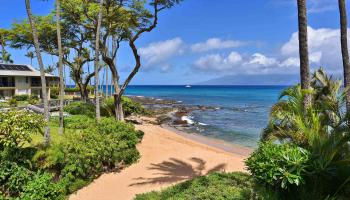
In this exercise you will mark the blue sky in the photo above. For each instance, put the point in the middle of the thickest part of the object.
(202, 39)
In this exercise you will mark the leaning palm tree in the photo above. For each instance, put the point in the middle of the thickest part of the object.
(60, 63)
(42, 71)
(96, 63)
(344, 49)
(303, 51)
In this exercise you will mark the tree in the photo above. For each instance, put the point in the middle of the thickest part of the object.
(42, 72)
(60, 63)
(30, 55)
(4, 37)
(96, 63)
(344, 49)
(303, 51)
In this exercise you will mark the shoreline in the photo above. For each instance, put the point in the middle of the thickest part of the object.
(212, 142)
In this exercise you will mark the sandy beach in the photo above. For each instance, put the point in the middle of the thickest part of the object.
(167, 157)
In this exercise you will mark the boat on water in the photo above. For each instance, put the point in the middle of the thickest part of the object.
(188, 86)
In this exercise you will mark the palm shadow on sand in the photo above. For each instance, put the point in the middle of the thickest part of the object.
(176, 170)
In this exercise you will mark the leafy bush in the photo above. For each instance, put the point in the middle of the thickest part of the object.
(33, 99)
(54, 92)
(129, 107)
(41, 187)
(237, 185)
(80, 108)
(22, 97)
(85, 154)
(78, 122)
(16, 127)
(278, 165)
(13, 102)
(13, 178)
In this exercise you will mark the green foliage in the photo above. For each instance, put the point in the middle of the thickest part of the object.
(13, 102)
(84, 154)
(41, 187)
(33, 99)
(78, 122)
(54, 92)
(16, 127)
(220, 186)
(80, 108)
(22, 97)
(279, 166)
(129, 107)
(322, 130)
(13, 178)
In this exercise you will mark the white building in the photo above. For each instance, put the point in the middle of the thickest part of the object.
(23, 79)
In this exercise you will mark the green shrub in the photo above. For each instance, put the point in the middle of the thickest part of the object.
(80, 108)
(84, 154)
(16, 127)
(280, 166)
(13, 178)
(41, 187)
(129, 107)
(54, 92)
(218, 186)
(78, 122)
(33, 99)
(13, 102)
(22, 97)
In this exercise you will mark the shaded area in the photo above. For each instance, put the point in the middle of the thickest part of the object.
(176, 170)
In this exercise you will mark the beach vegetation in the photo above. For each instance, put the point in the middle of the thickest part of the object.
(323, 135)
(236, 185)
(30, 170)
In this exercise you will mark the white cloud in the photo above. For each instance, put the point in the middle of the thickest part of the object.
(160, 52)
(215, 44)
(262, 60)
(216, 62)
(324, 48)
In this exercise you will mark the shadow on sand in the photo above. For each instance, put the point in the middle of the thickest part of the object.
(176, 170)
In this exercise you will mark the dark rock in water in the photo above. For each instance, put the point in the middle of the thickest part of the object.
(179, 122)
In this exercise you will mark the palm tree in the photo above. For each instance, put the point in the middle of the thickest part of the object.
(30, 55)
(344, 49)
(303, 51)
(97, 49)
(60, 64)
(42, 71)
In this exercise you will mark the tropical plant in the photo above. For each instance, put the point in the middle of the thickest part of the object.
(322, 130)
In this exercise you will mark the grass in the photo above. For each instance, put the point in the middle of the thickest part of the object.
(220, 186)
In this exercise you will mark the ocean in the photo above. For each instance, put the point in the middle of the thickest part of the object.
(243, 112)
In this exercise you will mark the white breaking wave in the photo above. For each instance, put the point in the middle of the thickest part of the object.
(187, 119)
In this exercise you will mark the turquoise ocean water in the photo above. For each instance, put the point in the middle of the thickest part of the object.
(243, 110)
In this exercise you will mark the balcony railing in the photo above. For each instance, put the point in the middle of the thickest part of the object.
(7, 84)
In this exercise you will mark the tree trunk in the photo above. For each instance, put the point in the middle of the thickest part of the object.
(42, 72)
(344, 50)
(97, 49)
(60, 65)
(303, 51)
(119, 114)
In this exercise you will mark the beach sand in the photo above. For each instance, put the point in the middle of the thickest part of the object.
(167, 157)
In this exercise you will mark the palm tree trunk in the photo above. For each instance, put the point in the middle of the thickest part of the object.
(97, 49)
(42, 72)
(60, 64)
(303, 51)
(344, 49)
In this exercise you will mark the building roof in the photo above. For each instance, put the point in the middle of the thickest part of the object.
(20, 70)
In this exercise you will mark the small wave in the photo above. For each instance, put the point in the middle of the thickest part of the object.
(159, 99)
(202, 124)
(187, 119)
(179, 101)
(140, 96)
